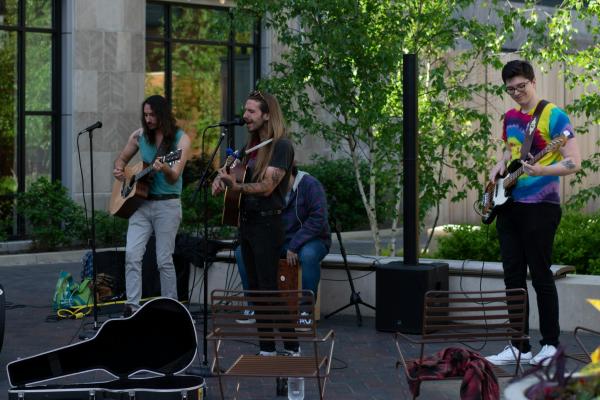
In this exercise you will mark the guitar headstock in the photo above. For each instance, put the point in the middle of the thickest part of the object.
(232, 157)
(172, 157)
(561, 140)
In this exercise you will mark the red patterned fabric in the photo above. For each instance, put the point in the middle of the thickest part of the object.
(479, 381)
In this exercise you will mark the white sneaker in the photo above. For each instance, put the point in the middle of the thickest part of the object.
(248, 318)
(267, 353)
(305, 323)
(291, 353)
(509, 356)
(544, 356)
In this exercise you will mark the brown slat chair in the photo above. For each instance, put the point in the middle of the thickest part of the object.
(585, 356)
(274, 310)
(461, 317)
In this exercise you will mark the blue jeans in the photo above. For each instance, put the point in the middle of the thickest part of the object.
(310, 256)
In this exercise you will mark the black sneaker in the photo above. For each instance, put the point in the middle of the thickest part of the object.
(128, 310)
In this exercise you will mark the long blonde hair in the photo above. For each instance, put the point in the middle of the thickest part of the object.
(275, 129)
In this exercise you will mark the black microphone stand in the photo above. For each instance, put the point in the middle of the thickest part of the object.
(355, 299)
(204, 369)
(90, 132)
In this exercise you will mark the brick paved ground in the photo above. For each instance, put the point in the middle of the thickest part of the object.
(364, 359)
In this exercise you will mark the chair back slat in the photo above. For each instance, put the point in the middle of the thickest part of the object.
(273, 311)
(468, 315)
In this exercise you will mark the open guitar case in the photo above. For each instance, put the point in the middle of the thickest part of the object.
(159, 339)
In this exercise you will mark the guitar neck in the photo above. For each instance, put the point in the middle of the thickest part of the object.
(143, 173)
(511, 179)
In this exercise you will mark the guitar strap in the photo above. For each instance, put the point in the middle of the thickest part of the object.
(531, 129)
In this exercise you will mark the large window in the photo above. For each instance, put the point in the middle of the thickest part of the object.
(29, 111)
(204, 61)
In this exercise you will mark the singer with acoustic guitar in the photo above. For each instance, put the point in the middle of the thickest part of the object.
(160, 210)
(261, 228)
(526, 224)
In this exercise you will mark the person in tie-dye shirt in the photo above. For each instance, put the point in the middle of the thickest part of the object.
(526, 226)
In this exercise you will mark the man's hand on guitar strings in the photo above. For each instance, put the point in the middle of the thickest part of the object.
(227, 179)
(119, 173)
(217, 186)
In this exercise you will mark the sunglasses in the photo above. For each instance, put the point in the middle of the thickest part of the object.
(257, 93)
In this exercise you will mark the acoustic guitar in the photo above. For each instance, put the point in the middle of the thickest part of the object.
(128, 195)
(498, 193)
(232, 201)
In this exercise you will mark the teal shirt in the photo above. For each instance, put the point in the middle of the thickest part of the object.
(160, 185)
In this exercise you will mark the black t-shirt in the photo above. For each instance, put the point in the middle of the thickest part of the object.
(282, 157)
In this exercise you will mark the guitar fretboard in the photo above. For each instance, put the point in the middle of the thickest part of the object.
(511, 179)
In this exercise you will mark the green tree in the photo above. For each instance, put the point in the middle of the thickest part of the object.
(569, 36)
(340, 78)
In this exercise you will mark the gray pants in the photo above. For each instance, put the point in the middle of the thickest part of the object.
(162, 217)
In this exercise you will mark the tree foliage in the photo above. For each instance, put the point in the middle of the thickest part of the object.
(569, 36)
(340, 77)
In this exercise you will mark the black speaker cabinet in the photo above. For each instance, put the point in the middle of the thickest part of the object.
(400, 290)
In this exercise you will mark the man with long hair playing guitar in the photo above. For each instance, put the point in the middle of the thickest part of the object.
(527, 224)
(261, 229)
(160, 212)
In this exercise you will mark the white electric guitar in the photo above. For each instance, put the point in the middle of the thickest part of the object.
(498, 193)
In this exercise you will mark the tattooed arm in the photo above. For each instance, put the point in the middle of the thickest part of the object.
(570, 163)
(265, 187)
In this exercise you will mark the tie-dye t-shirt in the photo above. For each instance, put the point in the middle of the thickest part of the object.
(553, 122)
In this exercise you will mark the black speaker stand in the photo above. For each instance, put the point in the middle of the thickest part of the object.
(355, 299)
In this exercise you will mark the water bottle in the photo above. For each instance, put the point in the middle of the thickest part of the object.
(295, 388)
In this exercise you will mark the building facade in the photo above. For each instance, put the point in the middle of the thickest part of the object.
(67, 64)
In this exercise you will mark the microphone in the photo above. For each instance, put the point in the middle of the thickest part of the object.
(91, 128)
(236, 121)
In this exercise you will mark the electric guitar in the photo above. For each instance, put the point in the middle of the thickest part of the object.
(128, 195)
(498, 193)
(232, 201)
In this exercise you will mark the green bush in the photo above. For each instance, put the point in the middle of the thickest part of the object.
(53, 217)
(4, 226)
(110, 230)
(576, 243)
(193, 214)
(337, 177)
(468, 242)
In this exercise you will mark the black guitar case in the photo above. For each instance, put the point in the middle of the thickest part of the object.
(158, 338)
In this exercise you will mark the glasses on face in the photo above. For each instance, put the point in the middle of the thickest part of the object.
(520, 87)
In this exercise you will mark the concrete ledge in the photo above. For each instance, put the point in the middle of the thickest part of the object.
(53, 257)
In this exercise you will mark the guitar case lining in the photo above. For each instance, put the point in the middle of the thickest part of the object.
(159, 338)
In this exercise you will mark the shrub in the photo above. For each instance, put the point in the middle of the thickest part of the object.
(193, 214)
(467, 242)
(576, 243)
(110, 230)
(337, 177)
(54, 218)
(4, 226)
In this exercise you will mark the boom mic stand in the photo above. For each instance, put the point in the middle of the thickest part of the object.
(90, 131)
(355, 299)
(204, 369)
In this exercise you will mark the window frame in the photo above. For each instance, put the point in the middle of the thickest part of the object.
(231, 44)
(22, 113)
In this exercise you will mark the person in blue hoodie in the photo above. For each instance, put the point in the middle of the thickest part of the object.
(307, 233)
